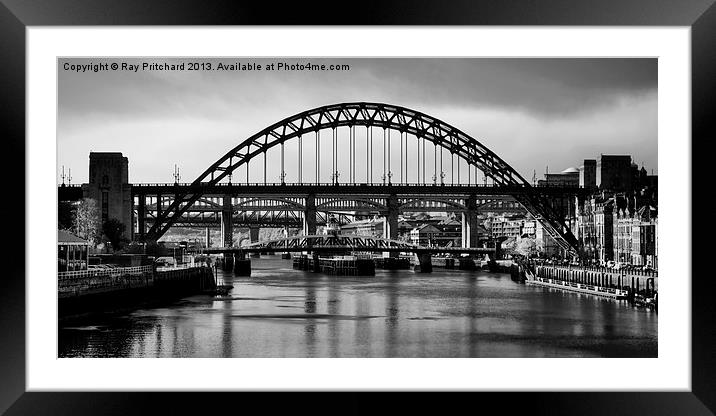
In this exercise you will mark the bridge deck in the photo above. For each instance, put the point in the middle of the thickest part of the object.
(420, 250)
(348, 188)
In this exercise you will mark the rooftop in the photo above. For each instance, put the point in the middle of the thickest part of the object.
(66, 237)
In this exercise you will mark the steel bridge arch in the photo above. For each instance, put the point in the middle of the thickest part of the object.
(288, 204)
(386, 116)
(326, 205)
(414, 202)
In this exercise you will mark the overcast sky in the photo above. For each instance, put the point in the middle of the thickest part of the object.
(531, 112)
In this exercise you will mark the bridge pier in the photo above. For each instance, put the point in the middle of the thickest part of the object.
(227, 231)
(242, 265)
(227, 222)
(228, 263)
(286, 233)
(390, 224)
(309, 215)
(469, 223)
(254, 238)
(141, 217)
(466, 263)
(425, 263)
(207, 237)
(254, 233)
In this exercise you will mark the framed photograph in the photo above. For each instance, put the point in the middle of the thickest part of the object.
(465, 199)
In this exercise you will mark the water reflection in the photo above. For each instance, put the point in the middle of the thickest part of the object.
(280, 312)
(310, 327)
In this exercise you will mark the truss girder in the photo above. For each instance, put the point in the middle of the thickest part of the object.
(378, 115)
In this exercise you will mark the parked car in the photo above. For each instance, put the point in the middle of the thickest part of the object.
(165, 261)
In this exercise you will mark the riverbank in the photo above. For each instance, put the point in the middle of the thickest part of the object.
(90, 291)
(283, 312)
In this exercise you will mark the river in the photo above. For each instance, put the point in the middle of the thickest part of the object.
(281, 312)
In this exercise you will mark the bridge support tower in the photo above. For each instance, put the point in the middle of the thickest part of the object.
(242, 265)
(469, 223)
(254, 233)
(309, 216)
(390, 224)
(227, 230)
(109, 186)
(254, 238)
(141, 217)
(425, 263)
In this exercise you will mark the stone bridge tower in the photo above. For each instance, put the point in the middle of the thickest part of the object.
(109, 187)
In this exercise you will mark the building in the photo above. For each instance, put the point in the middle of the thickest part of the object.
(644, 239)
(585, 230)
(446, 233)
(505, 226)
(529, 228)
(604, 229)
(424, 235)
(623, 223)
(621, 227)
(368, 227)
(614, 173)
(72, 252)
(588, 174)
(109, 187)
(567, 178)
(545, 243)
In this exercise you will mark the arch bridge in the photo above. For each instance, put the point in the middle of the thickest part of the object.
(377, 158)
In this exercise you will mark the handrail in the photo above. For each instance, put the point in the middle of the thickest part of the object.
(116, 272)
(345, 184)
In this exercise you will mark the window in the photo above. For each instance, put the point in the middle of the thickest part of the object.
(105, 205)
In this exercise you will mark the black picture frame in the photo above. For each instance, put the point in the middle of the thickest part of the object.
(16, 15)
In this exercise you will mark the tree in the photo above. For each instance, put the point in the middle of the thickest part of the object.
(526, 247)
(66, 215)
(86, 222)
(114, 231)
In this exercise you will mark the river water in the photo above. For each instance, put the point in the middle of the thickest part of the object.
(281, 312)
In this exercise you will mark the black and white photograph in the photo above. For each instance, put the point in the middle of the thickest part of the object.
(313, 207)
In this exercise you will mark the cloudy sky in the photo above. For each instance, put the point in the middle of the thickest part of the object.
(532, 112)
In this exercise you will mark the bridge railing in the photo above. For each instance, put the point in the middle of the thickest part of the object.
(113, 272)
(347, 184)
(602, 269)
